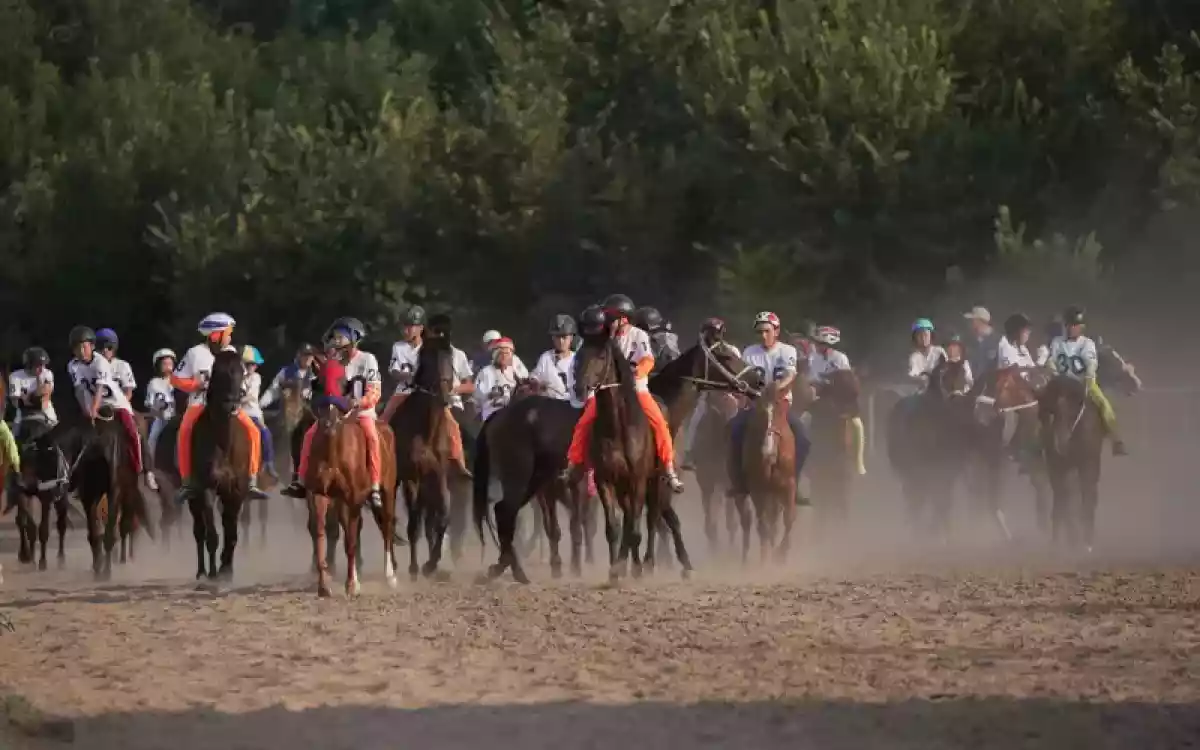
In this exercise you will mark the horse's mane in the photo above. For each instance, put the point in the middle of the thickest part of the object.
(429, 362)
(225, 385)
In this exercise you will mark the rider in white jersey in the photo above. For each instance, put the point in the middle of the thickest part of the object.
(777, 364)
(160, 399)
(496, 383)
(251, 385)
(403, 365)
(925, 355)
(106, 343)
(30, 390)
(555, 368)
(1074, 356)
(1013, 349)
(823, 361)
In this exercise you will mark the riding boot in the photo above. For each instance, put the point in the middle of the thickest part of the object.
(673, 479)
(295, 489)
(254, 492)
(375, 498)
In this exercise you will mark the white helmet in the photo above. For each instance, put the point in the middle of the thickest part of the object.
(215, 322)
(828, 335)
(769, 318)
(490, 336)
(162, 353)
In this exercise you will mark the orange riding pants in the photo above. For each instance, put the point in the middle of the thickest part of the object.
(456, 444)
(183, 448)
(366, 420)
(581, 438)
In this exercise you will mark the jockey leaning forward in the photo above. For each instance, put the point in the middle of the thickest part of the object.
(776, 363)
(96, 387)
(192, 377)
(1074, 356)
(634, 345)
(356, 386)
(555, 367)
(251, 385)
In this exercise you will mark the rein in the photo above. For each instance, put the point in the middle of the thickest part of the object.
(731, 382)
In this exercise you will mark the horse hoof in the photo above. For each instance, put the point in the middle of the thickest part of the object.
(686, 574)
(323, 592)
(556, 572)
(392, 582)
(637, 572)
(520, 577)
(42, 565)
(576, 571)
(62, 561)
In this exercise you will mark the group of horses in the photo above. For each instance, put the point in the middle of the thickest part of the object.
(950, 434)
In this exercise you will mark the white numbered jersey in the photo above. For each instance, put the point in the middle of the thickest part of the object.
(1009, 354)
(922, 363)
(556, 373)
(123, 374)
(197, 364)
(494, 389)
(634, 345)
(251, 385)
(772, 364)
(90, 378)
(462, 373)
(821, 366)
(362, 371)
(160, 398)
(22, 384)
(1076, 359)
(404, 364)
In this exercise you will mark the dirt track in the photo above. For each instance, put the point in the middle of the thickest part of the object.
(974, 657)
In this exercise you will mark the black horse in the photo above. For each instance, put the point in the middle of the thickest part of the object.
(43, 475)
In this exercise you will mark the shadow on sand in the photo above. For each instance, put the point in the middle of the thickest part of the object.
(948, 722)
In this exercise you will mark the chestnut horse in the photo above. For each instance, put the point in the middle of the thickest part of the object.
(769, 461)
(832, 462)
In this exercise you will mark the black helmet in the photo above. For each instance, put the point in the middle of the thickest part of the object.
(415, 316)
(562, 325)
(1016, 323)
(618, 305)
(649, 319)
(714, 327)
(352, 327)
(1073, 316)
(306, 350)
(107, 337)
(80, 334)
(440, 325)
(592, 320)
(34, 356)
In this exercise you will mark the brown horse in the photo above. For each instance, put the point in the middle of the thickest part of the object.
(621, 449)
(422, 444)
(769, 463)
(709, 454)
(832, 462)
(42, 476)
(338, 475)
(1073, 438)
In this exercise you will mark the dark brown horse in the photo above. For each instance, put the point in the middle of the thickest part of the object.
(221, 456)
(42, 476)
(621, 448)
(422, 432)
(769, 463)
(709, 455)
(1073, 437)
(832, 464)
(338, 476)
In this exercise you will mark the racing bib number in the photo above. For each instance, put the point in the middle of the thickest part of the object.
(1072, 365)
(499, 396)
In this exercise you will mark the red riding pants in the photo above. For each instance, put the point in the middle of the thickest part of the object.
(135, 438)
(183, 450)
(581, 438)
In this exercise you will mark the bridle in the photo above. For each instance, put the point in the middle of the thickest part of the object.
(731, 381)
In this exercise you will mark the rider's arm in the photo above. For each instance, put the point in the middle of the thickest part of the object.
(394, 366)
(274, 390)
(188, 383)
(916, 367)
(462, 369)
(1090, 360)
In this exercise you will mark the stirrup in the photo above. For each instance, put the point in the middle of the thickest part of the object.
(375, 499)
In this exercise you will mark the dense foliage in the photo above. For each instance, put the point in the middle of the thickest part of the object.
(292, 160)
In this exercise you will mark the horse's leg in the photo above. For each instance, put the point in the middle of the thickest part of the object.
(350, 515)
(788, 499)
(437, 522)
(575, 501)
(550, 525)
(590, 513)
(230, 511)
(762, 515)
(244, 519)
(128, 528)
(43, 530)
(385, 518)
(412, 502)
(732, 518)
(671, 519)
(318, 510)
(62, 507)
(25, 550)
(1060, 498)
(742, 504)
(263, 509)
(111, 530)
(1089, 497)
(212, 538)
(460, 501)
(199, 532)
(653, 517)
(612, 532)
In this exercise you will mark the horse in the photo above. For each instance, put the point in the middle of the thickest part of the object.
(422, 445)
(1073, 440)
(769, 462)
(43, 474)
(221, 457)
(337, 474)
(927, 447)
(833, 405)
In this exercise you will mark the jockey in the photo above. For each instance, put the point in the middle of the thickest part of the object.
(484, 357)
(1013, 350)
(956, 351)
(440, 326)
(251, 385)
(664, 345)
(495, 384)
(777, 365)
(925, 356)
(30, 390)
(160, 398)
(823, 361)
(300, 375)
(1074, 356)
(553, 370)
(95, 386)
(192, 378)
(712, 332)
(358, 389)
(491, 345)
(634, 344)
(106, 343)
(404, 359)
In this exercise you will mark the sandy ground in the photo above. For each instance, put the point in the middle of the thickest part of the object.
(855, 645)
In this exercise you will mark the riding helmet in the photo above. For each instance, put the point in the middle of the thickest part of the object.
(352, 327)
(922, 324)
(1073, 316)
(106, 337)
(80, 334)
(592, 320)
(1016, 323)
(767, 317)
(649, 319)
(562, 325)
(306, 350)
(34, 356)
(618, 305)
(214, 323)
(415, 316)
(161, 354)
(251, 355)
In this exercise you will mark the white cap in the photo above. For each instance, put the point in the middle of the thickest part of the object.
(490, 336)
(979, 313)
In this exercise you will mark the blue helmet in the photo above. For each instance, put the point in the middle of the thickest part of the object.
(353, 329)
(106, 337)
(250, 355)
(922, 324)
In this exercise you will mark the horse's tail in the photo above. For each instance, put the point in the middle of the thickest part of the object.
(481, 481)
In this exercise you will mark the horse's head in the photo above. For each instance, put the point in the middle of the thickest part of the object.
(948, 380)
(225, 385)
(435, 368)
(840, 390)
(1015, 389)
(1114, 372)
(598, 364)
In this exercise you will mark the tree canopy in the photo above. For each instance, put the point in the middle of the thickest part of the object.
(291, 161)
